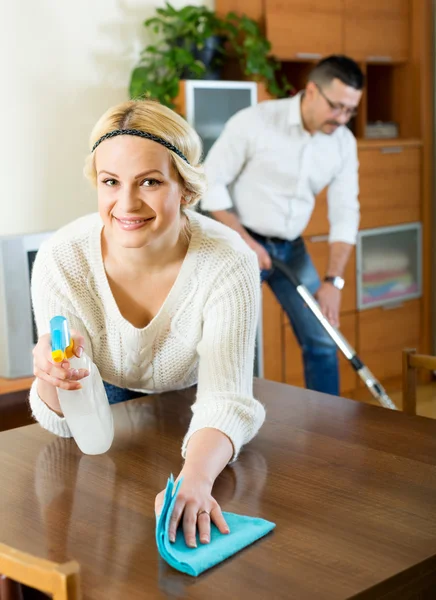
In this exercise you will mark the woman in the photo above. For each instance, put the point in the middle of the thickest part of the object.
(158, 296)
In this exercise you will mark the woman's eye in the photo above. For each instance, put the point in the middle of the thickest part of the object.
(150, 183)
(109, 182)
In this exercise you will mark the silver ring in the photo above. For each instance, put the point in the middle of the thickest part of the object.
(200, 512)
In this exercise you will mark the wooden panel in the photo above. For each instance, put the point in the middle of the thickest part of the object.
(319, 252)
(377, 30)
(380, 164)
(369, 144)
(14, 385)
(304, 28)
(294, 374)
(262, 93)
(319, 224)
(423, 40)
(180, 100)
(272, 336)
(250, 8)
(14, 411)
(390, 190)
(382, 335)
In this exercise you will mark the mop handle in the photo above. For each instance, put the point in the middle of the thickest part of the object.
(374, 386)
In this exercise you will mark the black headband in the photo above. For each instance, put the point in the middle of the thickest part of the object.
(143, 134)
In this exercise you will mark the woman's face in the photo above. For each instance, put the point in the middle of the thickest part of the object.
(139, 191)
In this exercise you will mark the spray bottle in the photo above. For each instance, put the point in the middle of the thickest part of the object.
(86, 410)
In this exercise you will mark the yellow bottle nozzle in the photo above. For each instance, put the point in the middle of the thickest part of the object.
(69, 350)
(57, 356)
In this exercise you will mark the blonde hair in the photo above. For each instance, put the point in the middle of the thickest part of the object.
(151, 117)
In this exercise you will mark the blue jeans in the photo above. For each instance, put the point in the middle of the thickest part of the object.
(320, 357)
(116, 394)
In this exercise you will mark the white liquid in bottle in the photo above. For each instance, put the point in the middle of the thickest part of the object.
(87, 411)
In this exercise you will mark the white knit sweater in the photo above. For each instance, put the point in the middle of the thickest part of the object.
(204, 332)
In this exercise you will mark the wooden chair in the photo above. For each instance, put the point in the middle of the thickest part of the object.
(62, 581)
(412, 362)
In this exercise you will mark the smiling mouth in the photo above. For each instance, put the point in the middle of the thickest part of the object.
(129, 221)
(132, 223)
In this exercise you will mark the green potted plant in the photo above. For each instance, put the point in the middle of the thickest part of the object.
(190, 46)
(193, 44)
(253, 52)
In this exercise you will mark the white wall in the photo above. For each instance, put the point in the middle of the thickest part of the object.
(62, 65)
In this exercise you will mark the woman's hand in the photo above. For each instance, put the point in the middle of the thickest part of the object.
(58, 374)
(195, 508)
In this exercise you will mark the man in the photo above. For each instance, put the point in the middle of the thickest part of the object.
(276, 156)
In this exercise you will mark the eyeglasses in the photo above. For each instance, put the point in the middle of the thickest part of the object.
(337, 107)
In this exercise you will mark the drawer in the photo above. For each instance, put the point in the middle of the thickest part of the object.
(272, 334)
(294, 374)
(382, 335)
(390, 186)
(319, 253)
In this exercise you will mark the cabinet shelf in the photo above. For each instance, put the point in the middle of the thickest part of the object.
(363, 143)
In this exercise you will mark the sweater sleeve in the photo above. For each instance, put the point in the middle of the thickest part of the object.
(49, 300)
(226, 357)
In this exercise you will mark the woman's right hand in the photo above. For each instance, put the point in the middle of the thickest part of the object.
(59, 375)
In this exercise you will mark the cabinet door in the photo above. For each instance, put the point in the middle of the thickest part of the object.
(250, 8)
(294, 374)
(390, 190)
(318, 224)
(304, 29)
(272, 334)
(319, 253)
(383, 333)
(377, 30)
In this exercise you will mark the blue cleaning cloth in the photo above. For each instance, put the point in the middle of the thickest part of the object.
(193, 561)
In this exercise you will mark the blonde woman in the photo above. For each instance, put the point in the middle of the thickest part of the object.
(158, 296)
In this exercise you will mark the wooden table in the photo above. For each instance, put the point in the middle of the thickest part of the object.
(351, 487)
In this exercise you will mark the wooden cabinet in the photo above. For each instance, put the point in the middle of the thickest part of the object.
(319, 224)
(319, 253)
(384, 332)
(251, 8)
(376, 30)
(393, 42)
(272, 333)
(293, 362)
(304, 29)
(390, 189)
(371, 31)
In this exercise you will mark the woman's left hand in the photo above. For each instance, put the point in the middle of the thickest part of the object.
(195, 508)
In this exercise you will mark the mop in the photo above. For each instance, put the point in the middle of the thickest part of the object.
(374, 386)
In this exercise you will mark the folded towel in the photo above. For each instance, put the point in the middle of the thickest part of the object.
(389, 283)
(392, 294)
(193, 561)
(384, 275)
(386, 259)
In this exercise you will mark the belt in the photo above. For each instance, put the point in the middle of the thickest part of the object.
(266, 238)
